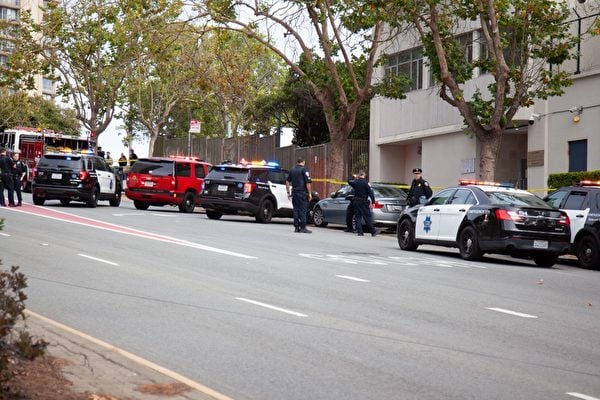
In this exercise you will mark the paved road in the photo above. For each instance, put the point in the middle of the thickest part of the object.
(258, 312)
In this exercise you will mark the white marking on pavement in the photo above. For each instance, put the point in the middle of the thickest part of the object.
(518, 314)
(128, 214)
(581, 396)
(4, 234)
(352, 278)
(171, 215)
(258, 303)
(98, 259)
(167, 372)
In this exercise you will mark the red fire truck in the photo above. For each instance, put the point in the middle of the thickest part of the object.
(33, 142)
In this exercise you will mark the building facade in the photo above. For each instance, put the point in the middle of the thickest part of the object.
(10, 10)
(556, 135)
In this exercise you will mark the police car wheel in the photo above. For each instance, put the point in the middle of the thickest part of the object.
(213, 214)
(265, 212)
(189, 203)
(38, 201)
(588, 253)
(406, 236)
(115, 201)
(93, 200)
(468, 244)
(318, 217)
(65, 202)
(545, 260)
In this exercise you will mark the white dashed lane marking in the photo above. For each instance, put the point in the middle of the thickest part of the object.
(510, 312)
(582, 396)
(98, 259)
(352, 278)
(271, 307)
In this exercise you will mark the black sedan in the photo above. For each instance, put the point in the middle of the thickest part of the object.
(483, 218)
(389, 203)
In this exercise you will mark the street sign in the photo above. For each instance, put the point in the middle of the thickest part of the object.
(195, 126)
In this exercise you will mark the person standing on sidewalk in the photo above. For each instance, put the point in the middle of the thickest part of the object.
(362, 193)
(20, 172)
(6, 168)
(419, 188)
(299, 179)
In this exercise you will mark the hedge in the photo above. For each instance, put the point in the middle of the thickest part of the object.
(556, 181)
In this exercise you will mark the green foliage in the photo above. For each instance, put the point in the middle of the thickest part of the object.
(570, 178)
(14, 343)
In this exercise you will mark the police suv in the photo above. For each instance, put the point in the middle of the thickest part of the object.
(486, 217)
(75, 177)
(582, 203)
(254, 188)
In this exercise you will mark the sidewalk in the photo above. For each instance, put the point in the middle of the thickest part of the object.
(107, 372)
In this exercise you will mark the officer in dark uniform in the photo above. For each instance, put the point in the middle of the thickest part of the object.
(299, 179)
(20, 172)
(7, 166)
(350, 210)
(418, 188)
(362, 193)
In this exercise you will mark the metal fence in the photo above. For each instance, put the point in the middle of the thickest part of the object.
(217, 150)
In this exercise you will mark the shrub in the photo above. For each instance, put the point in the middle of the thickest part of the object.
(556, 181)
(14, 343)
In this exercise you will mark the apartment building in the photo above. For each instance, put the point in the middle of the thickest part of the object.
(10, 10)
(555, 135)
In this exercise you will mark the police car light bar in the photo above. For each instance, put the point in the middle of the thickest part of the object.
(465, 182)
(589, 183)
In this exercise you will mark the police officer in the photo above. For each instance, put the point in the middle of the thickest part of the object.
(418, 188)
(122, 160)
(362, 193)
(300, 193)
(132, 157)
(6, 167)
(350, 210)
(20, 172)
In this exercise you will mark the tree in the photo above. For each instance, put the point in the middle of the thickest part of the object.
(342, 31)
(521, 39)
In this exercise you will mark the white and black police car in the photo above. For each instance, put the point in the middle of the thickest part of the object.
(253, 188)
(486, 217)
(581, 202)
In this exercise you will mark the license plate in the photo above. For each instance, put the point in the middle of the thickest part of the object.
(540, 244)
(222, 188)
(148, 183)
(56, 176)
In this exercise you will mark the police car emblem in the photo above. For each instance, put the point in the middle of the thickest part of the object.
(427, 224)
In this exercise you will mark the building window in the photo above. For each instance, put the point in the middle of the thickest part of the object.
(48, 85)
(7, 46)
(3, 59)
(409, 63)
(9, 14)
(578, 155)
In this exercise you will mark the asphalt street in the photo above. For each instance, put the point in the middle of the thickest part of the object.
(259, 312)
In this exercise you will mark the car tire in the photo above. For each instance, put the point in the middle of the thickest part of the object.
(38, 201)
(65, 202)
(545, 260)
(140, 205)
(115, 201)
(213, 214)
(265, 212)
(406, 235)
(93, 200)
(468, 244)
(188, 203)
(588, 252)
(311, 212)
(318, 217)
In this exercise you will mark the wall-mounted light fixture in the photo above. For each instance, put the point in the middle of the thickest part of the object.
(577, 111)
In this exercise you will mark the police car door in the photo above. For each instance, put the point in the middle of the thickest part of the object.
(429, 216)
(577, 208)
(277, 186)
(454, 212)
(106, 178)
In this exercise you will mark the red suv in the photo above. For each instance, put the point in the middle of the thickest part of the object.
(159, 181)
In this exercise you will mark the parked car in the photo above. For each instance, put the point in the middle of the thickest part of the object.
(160, 181)
(582, 203)
(70, 177)
(389, 203)
(483, 218)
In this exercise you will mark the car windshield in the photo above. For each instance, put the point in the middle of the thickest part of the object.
(228, 173)
(151, 167)
(60, 161)
(389, 191)
(516, 199)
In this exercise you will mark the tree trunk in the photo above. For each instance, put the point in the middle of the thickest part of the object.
(490, 144)
(153, 137)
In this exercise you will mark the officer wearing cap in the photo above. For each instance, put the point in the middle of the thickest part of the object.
(419, 188)
(19, 174)
(299, 179)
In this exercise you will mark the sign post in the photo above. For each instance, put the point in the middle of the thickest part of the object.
(195, 127)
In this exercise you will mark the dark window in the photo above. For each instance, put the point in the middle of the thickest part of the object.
(409, 63)
(516, 199)
(156, 168)
(277, 177)
(554, 199)
(228, 173)
(578, 155)
(441, 198)
(99, 164)
(462, 196)
(60, 161)
(199, 168)
(261, 175)
(575, 201)
(183, 169)
(389, 191)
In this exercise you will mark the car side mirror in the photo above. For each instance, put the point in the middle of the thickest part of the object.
(422, 200)
(333, 195)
